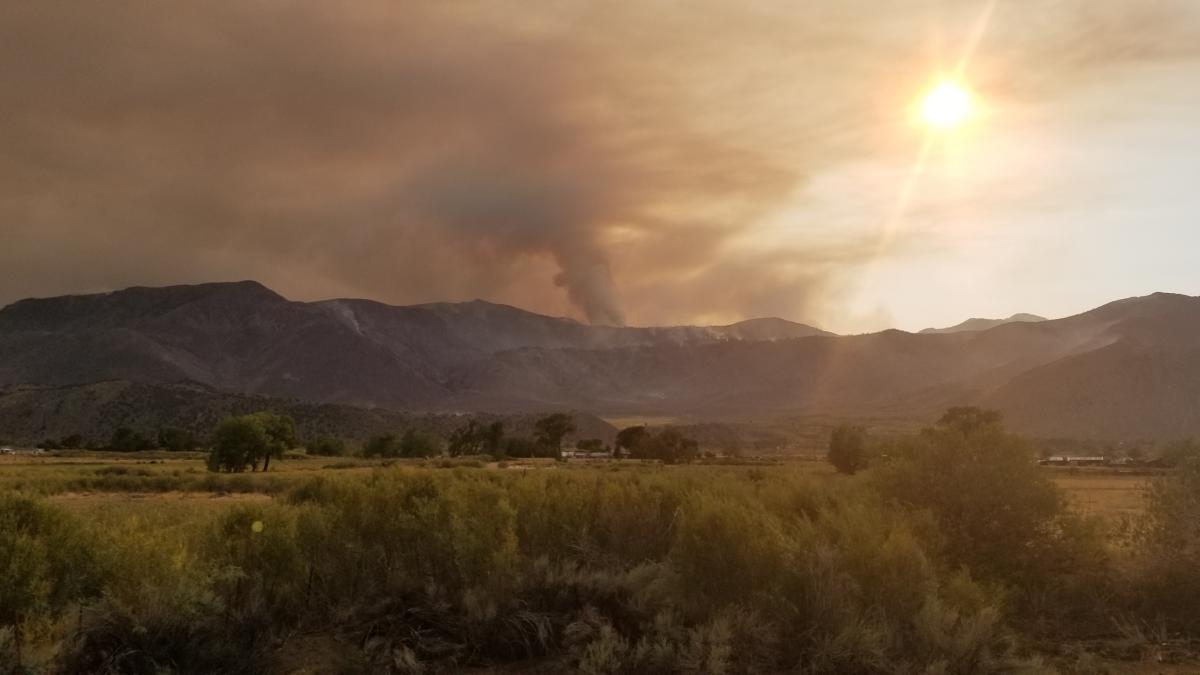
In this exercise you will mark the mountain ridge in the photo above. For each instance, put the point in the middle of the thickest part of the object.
(974, 323)
(244, 338)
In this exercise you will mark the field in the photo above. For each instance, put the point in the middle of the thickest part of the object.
(1109, 495)
(585, 566)
(92, 479)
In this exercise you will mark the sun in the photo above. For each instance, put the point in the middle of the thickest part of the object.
(946, 106)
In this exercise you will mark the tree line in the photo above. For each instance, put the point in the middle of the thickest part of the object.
(851, 449)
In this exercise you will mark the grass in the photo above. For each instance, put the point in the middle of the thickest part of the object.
(1111, 496)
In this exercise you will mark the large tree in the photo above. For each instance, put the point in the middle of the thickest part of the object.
(281, 435)
(468, 439)
(241, 442)
(550, 431)
(628, 439)
(668, 445)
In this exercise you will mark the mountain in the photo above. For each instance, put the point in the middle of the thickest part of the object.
(1127, 370)
(243, 337)
(984, 324)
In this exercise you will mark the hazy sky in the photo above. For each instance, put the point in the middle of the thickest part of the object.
(646, 162)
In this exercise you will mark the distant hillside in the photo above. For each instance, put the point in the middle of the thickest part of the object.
(245, 338)
(31, 414)
(1127, 370)
(984, 324)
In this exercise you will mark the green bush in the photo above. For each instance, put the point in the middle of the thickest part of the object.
(848, 451)
(996, 511)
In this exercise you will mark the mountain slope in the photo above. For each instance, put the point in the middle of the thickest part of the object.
(1128, 369)
(244, 337)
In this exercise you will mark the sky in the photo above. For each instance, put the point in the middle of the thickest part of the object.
(642, 162)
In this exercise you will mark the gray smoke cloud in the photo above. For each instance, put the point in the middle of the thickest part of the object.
(605, 160)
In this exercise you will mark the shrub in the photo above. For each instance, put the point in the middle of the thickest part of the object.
(848, 451)
(47, 562)
(994, 508)
(1170, 548)
(409, 569)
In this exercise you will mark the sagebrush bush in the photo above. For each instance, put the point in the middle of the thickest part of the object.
(1168, 570)
(995, 512)
(48, 563)
(412, 569)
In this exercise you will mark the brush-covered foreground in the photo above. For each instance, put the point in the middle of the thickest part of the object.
(957, 556)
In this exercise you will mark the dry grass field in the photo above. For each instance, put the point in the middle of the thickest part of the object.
(156, 479)
(1111, 495)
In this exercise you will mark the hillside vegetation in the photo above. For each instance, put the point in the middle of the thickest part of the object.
(94, 412)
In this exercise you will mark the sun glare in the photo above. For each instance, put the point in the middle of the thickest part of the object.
(946, 105)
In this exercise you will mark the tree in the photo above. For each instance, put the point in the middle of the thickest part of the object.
(550, 430)
(125, 439)
(417, 443)
(848, 449)
(493, 439)
(281, 435)
(968, 420)
(628, 439)
(176, 439)
(668, 445)
(72, 442)
(327, 446)
(383, 445)
(241, 442)
(475, 438)
(466, 440)
(237, 444)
